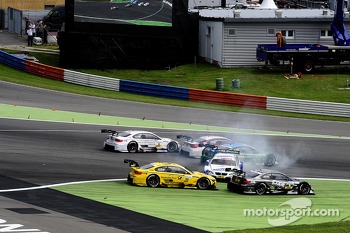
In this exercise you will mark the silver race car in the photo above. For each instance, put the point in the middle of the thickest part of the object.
(264, 181)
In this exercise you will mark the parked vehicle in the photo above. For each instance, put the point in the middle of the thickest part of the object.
(304, 57)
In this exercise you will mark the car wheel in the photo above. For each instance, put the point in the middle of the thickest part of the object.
(180, 152)
(153, 181)
(260, 188)
(304, 188)
(172, 147)
(270, 160)
(133, 147)
(309, 66)
(203, 183)
(231, 186)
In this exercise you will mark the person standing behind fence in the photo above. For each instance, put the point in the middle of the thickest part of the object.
(34, 29)
(30, 35)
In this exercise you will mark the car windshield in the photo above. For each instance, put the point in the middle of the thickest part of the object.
(223, 162)
(189, 170)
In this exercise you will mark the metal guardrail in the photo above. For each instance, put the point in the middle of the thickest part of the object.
(44, 70)
(12, 61)
(157, 90)
(91, 80)
(308, 107)
(228, 98)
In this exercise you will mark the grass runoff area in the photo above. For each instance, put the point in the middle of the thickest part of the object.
(224, 211)
(217, 211)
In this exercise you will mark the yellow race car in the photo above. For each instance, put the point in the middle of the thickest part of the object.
(164, 174)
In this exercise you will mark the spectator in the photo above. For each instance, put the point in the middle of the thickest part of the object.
(40, 32)
(33, 29)
(30, 35)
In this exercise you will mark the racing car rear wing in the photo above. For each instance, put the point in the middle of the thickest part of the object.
(132, 163)
(237, 172)
(109, 131)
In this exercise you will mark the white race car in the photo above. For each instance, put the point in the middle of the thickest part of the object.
(221, 166)
(138, 141)
(194, 148)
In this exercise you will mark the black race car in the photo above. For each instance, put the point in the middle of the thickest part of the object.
(267, 181)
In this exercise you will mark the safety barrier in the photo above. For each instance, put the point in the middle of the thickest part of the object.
(90, 80)
(308, 107)
(157, 90)
(12, 61)
(44, 70)
(227, 98)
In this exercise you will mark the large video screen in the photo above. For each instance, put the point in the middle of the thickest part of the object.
(134, 12)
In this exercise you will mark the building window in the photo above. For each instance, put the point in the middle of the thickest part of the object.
(326, 33)
(232, 32)
(208, 32)
(271, 32)
(288, 34)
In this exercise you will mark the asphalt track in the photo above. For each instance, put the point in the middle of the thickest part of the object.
(43, 153)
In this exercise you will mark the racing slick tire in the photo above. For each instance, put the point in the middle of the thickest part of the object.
(308, 66)
(234, 188)
(304, 189)
(133, 147)
(129, 179)
(172, 147)
(203, 160)
(230, 186)
(153, 181)
(270, 160)
(203, 183)
(260, 188)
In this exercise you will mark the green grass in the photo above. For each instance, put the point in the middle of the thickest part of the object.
(217, 211)
(339, 227)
